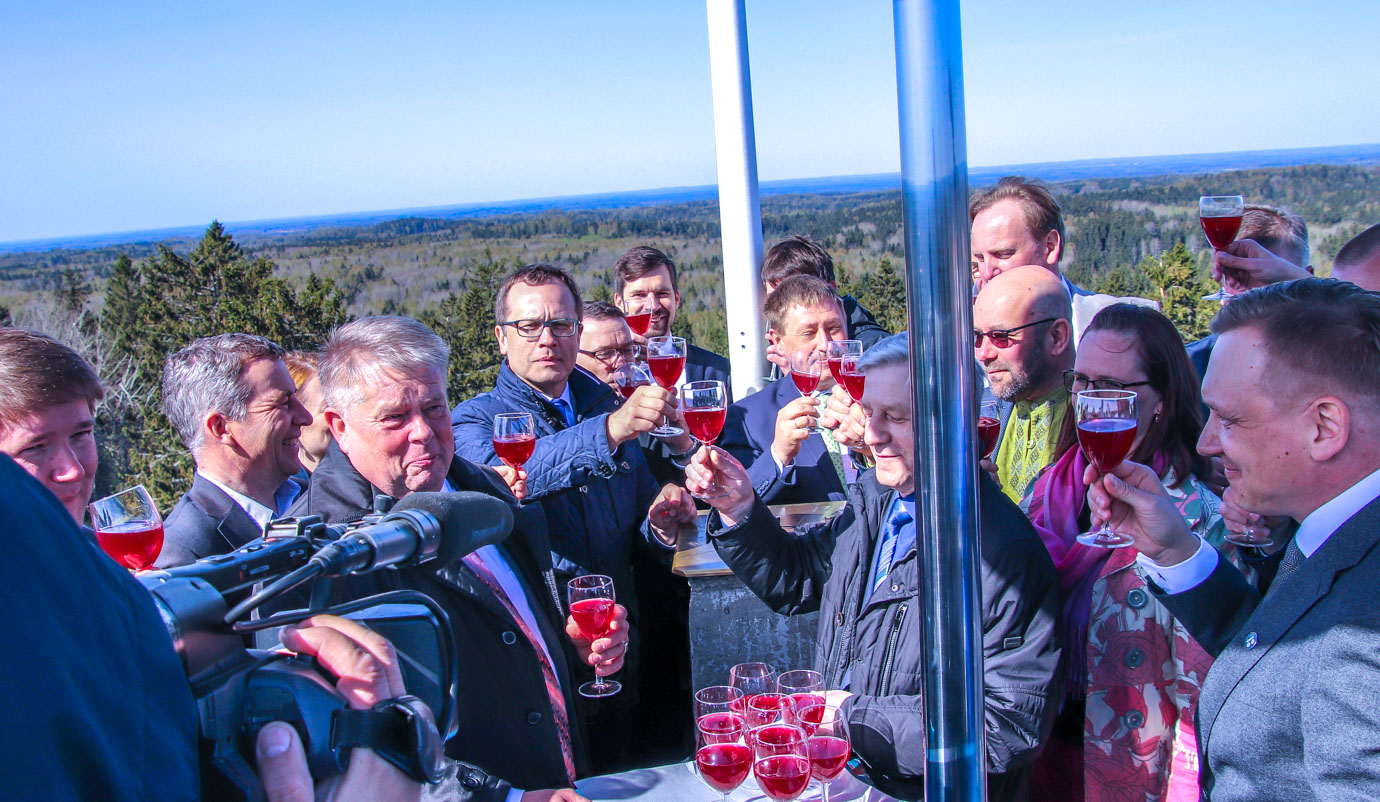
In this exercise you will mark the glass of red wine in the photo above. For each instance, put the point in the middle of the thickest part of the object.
(752, 678)
(632, 374)
(852, 379)
(722, 755)
(836, 351)
(514, 438)
(1107, 422)
(1220, 216)
(781, 761)
(638, 313)
(806, 365)
(666, 358)
(592, 607)
(801, 687)
(827, 743)
(128, 527)
(989, 428)
(718, 708)
(705, 405)
(767, 708)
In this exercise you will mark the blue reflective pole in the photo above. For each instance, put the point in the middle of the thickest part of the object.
(934, 183)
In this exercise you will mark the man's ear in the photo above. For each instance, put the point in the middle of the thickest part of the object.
(214, 425)
(502, 341)
(1329, 427)
(1060, 336)
(773, 337)
(1054, 248)
(336, 423)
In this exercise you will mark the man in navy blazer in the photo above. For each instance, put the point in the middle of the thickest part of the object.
(774, 431)
(234, 404)
(1288, 709)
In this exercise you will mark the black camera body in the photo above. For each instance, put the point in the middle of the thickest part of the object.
(238, 689)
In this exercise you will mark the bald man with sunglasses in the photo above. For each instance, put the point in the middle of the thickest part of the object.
(1023, 340)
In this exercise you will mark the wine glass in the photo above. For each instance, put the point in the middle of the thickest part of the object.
(767, 708)
(721, 755)
(1106, 431)
(801, 686)
(592, 607)
(781, 761)
(852, 379)
(128, 527)
(638, 313)
(718, 706)
(752, 678)
(989, 427)
(515, 438)
(827, 743)
(666, 358)
(633, 373)
(805, 370)
(834, 353)
(705, 404)
(1220, 216)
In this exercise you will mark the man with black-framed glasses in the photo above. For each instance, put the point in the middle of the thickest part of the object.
(606, 342)
(1023, 339)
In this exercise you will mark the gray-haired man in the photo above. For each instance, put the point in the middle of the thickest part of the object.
(234, 404)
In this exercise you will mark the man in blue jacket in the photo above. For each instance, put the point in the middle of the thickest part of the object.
(586, 471)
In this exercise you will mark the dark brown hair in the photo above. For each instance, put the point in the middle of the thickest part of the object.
(37, 372)
(805, 291)
(535, 276)
(1278, 231)
(602, 310)
(797, 256)
(1174, 434)
(640, 261)
(1359, 249)
(1041, 210)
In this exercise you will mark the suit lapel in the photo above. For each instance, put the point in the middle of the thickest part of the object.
(232, 522)
(1279, 612)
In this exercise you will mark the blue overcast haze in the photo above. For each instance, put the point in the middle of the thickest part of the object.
(146, 115)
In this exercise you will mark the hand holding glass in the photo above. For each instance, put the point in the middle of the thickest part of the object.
(592, 607)
(1220, 216)
(1107, 422)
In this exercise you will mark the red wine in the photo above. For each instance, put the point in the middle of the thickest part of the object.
(134, 545)
(721, 728)
(592, 616)
(813, 706)
(1221, 231)
(836, 369)
(515, 449)
(853, 383)
(739, 706)
(765, 708)
(1106, 441)
(806, 383)
(988, 429)
(782, 777)
(706, 422)
(724, 766)
(828, 756)
(666, 369)
(631, 387)
(639, 323)
(775, 735)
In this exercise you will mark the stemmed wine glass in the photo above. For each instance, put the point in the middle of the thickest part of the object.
(752, 678)
(718, 708)
(989, 427)
(666, 357)
(638, 314)
(721, 754)
(592, 607)
(836, 351)
(633, 374)
(827, 743)
(852, 379)
(514, 438)
(1107, 422)
(805, 370)
(801, 686)
(1220, 216)
(781, 761)
(128, 527)
(704, 405)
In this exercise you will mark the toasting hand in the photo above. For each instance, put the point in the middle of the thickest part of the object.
(713, 467)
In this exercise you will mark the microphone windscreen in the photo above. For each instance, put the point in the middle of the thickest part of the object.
(469, 521)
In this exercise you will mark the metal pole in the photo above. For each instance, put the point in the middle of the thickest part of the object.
(740, 214)
(934, 184)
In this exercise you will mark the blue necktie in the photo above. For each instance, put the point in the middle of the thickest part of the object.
(891, 544)
(565, 410)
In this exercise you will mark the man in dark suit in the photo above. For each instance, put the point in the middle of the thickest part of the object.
(234, 404)
(384, 379)
(774, 432)
(800, 255)
(1287, 710)
(647, 282)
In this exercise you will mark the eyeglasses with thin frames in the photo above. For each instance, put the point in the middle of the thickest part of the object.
(1076, 382)
(607, 355)
(1001, 338)
(531, 328)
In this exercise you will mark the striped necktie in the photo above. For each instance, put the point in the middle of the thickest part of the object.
(548, 671)
(891, 541)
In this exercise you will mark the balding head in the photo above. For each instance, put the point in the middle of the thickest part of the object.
(1359, 260)
(1030, 362)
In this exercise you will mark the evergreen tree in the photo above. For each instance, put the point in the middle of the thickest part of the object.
(465, 320)
(1180, 288)
(883, 293)
(123, 294)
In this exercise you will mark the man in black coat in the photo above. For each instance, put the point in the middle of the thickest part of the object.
(861, 571)
(384, 383)
(234, 405)
(1287, 710)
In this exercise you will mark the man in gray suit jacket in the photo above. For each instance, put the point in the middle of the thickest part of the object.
(1288, 709)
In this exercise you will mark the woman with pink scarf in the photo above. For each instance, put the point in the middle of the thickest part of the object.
(1125, 731)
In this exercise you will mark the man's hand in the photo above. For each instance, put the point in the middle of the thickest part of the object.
(515, 478)
(642, 412)
(681, 443)
(795, 422)
(845, 418)
(990, 466)
(777, 358)
(1216, 479)
(712, 467)
(1237, 520)
(1246, 264)
(605, 654)
(368, 670)
(1133, 501)
(554, 795)
(672, 508)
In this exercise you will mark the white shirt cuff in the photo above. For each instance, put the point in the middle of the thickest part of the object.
(1185, 575)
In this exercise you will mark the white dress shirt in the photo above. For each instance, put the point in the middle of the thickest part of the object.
(1312, 533)
(283, 497)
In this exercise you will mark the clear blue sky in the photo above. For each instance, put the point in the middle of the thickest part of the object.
(137, 115)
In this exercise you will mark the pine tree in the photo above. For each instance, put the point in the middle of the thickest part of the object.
(883, 293)
(465, 321)
(123, 295)
(1180, 288)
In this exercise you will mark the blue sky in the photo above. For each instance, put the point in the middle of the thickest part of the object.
(143, 115)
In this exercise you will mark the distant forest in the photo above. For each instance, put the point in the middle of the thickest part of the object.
(126, 307)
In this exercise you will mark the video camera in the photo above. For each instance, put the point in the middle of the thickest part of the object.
(238, 689)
